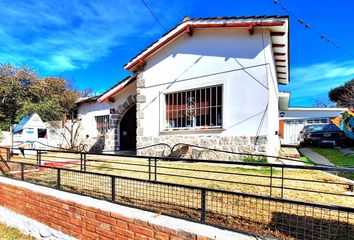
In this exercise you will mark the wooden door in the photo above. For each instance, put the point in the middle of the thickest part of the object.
(128, 130)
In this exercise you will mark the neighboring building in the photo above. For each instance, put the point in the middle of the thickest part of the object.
(292, 120)
(31, 131)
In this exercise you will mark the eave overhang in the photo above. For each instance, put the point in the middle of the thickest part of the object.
(279, 34)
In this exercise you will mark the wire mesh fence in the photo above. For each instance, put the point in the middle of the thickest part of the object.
(283, 201)
(268, 216)
(317, 184)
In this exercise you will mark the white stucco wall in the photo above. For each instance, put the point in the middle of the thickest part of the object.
(88, 111)
(246, 94)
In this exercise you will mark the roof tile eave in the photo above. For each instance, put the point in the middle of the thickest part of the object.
(110, 92)
(126, 66)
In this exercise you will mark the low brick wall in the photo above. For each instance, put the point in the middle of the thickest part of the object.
(87, 218)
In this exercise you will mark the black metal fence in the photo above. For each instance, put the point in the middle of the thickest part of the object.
(306, 183)
(148, 185)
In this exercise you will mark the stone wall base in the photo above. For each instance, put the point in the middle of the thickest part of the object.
(238, 144)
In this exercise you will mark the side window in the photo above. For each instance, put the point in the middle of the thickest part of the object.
(195, 108)
(102, 123)
(324, 120)
(42, 133)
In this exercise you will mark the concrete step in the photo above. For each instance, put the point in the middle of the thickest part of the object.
(289, 152)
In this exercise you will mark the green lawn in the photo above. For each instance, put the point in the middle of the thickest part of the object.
(306, 160)
(338, 158)
(10, 233)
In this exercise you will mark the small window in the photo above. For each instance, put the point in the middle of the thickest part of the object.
(324, 120)
(102, 123)
(193, 109)
(42, 133)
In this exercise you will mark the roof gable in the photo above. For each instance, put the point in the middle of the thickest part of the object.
(116, 88)
(278, 26)
(29, 121)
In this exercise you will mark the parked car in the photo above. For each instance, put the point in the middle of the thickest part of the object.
(322, 135)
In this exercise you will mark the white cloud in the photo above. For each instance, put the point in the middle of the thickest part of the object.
(322, 71)
(313, 82)
(56, 36)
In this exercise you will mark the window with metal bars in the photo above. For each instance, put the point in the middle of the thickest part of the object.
(193, 109)
(102, 123)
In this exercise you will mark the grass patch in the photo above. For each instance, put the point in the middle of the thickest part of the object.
(339, 159)
(335, 156)
(255, 160)
(10, 233)
(306, 160)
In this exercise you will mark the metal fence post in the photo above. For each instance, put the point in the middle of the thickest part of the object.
(282, 181)
(155, 172)
(202, 205)
(149, 162)
(81, 162)
(58, 178)
(40, 157)
(22, 171)
(271, 181)
(85, 162)
(8, 154)
(113, 180)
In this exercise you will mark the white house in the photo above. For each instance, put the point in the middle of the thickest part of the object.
(211, 82)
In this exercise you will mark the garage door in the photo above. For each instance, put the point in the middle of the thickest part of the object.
(292, 128)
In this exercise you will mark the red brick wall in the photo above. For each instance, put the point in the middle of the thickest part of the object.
(83, 222)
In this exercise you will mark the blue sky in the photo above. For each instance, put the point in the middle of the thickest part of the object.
(88, 42)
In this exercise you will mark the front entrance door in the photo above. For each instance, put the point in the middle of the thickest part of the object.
(128, 130)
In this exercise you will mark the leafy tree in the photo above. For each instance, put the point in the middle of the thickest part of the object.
(343, 95)
(53, 89)
(22, 92)
(14, 83)
(47, 109)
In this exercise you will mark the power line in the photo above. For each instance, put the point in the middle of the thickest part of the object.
(309, 27)
(153, 14)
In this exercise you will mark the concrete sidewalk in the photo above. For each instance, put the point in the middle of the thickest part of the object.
(315, 157)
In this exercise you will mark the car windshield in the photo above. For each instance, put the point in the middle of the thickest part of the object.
(324, 127)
